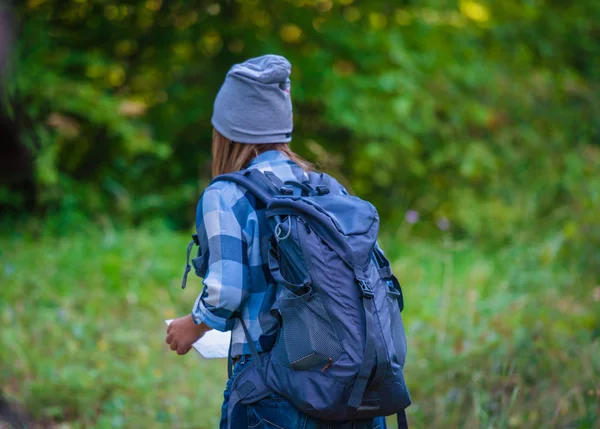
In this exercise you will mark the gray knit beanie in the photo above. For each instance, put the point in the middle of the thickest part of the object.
(254, 104)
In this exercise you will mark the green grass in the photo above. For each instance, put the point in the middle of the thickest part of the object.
(496, 339)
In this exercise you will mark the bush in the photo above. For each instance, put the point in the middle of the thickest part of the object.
(479, 113)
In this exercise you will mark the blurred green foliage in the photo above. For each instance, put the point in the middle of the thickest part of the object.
(482, 113)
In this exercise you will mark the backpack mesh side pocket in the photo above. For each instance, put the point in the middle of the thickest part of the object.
(307, 340)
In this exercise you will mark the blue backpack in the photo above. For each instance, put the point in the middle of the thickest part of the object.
(341, 348)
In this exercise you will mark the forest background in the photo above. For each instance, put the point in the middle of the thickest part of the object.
(473, 126)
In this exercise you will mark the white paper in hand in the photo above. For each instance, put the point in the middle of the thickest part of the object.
(213, 345)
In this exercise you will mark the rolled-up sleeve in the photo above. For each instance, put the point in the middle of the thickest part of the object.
(226, 281)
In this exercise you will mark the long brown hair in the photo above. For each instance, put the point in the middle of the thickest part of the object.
(229, 156)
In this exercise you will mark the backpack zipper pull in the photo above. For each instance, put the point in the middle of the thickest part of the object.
(326, 367)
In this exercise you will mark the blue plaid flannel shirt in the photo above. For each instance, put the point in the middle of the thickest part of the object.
(230, 222)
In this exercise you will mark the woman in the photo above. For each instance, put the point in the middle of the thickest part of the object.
(252, 122)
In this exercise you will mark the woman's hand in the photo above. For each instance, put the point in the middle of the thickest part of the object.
(183, 332)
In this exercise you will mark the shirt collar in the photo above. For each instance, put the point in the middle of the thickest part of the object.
(269, 157)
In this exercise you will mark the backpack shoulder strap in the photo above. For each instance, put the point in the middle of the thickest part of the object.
(259, 184)
(263, 186)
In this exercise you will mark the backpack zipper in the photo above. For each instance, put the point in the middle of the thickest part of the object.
(308, 231)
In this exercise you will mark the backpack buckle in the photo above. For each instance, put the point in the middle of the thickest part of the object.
(365, 289)
(286, 190)
(322, 190)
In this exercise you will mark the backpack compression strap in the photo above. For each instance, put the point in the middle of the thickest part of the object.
(402, 422)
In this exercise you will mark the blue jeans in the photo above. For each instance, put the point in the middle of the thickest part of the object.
(275, 412)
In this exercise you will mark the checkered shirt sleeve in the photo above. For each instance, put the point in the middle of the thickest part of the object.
(222, 236)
